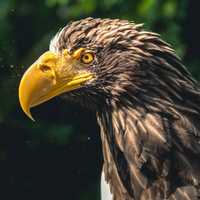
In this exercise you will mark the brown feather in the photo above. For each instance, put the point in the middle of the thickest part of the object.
(147, 107)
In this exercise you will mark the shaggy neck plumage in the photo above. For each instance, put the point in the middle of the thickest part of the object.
(147, 108)
(144, 116)
(116, 124)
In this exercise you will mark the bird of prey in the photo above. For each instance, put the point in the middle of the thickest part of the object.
(146, 102)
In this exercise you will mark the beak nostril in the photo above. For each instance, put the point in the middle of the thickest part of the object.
(44, 68)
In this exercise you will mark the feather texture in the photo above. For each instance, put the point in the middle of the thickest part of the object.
(147, 107)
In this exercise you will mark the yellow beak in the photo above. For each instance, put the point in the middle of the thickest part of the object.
(51, 75)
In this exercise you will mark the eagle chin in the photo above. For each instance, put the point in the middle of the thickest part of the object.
(147, 104)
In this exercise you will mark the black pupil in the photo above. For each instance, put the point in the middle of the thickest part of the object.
(86, 57)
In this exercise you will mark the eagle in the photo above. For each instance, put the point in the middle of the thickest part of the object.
(146, 104)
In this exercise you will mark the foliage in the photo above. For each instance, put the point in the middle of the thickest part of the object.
(59, 156)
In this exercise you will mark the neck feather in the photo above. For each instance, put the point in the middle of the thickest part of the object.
(116, 124)
(137, 141)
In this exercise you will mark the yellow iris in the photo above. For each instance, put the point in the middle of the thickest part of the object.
(87, 58)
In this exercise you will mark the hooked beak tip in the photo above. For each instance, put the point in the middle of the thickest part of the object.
(30, 116)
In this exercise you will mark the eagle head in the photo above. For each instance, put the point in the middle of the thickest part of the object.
(101, 61)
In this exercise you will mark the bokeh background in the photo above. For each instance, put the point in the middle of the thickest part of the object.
(59, 156)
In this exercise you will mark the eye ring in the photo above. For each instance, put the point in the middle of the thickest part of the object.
(87, 58)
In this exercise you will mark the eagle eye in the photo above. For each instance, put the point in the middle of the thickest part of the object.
(87, 58)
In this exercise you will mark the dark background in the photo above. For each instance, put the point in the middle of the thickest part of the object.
(59, 156)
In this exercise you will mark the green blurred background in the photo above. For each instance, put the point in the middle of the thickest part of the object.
(59, 156)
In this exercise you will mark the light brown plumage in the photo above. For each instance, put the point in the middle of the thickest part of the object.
(147, 107)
